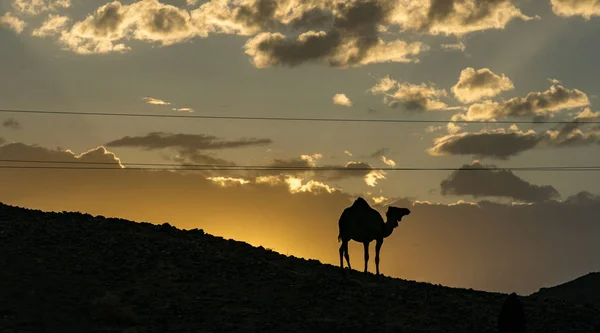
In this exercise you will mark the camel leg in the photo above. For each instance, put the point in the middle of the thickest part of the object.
(366, 256)
(342, 256)
(378, 245)
(347, 255)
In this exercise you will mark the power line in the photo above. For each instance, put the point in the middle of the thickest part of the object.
(405, 121)
(215, 167)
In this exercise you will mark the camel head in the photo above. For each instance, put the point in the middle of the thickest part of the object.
(395, 214)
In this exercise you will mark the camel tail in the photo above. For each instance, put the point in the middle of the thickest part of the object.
(339, 237)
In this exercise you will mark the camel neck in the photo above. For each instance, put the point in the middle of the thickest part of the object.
(388, 229)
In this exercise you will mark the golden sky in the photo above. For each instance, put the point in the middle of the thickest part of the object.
(503, 61)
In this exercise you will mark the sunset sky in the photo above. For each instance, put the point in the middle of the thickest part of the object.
(493, 60)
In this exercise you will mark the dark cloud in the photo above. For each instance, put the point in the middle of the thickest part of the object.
(494, 183)
(352, 40)
(555, 98)
(192, 156)
(583, 198)
(12, 124)
(108, 19)
(537, 105)
(502, 144)
(499, 145)
(160, 140)
(260, 14)
(314, 18)
(379, 152)
(97, 157)
(165, 21)
(571, 135)
(361, 169)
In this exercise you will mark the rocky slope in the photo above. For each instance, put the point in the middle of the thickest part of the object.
(72, 272)
(584, 290)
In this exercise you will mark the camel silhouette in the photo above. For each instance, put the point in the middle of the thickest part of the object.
(364, 224)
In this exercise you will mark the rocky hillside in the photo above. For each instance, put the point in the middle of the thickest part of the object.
(584, 290)
(72, 272)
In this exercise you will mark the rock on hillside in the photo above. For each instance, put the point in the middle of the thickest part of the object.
(72, 272)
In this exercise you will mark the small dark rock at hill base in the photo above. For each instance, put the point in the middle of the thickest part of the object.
(72, 272)
(512, 316)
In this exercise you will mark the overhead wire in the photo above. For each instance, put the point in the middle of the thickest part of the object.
(81, 165)
(265, 118)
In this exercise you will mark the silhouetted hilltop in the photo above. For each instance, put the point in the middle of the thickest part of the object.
(583, 290)
(72, 272)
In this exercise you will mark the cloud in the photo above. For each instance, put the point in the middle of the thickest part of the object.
(372, 177)
(12, 22)
(535, 104)
(183, 109)
(499, 143)
(387, 161)
(352, 40)
(449, 237)
(379, 200)
(379, 153)
(97, 157)
(460, 46)
(190, 157)
(52, 26)
(502, 143)
(270, 49)
(156, 101)
(413, 97)
(474, 85)
(584, 8)
(296, 186)
(588, 114)
(161, 140)
(35, 7)
(12, 124)
(494, 183)
(110, 25)
(228, 181)
(455, 17)
(341, 99)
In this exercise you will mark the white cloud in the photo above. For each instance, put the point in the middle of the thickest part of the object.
(584, 8)
(12, 22)
(474, 85)
(389, 162)
(460, 46)
(587, 114)
(342, 99)
(155, 101)
(183, 109)
(52, 26)
(228, 181)
(451, 17)
(34, 7)
(535, 104)
(296, 186)
(112, 24)
(372, 177)
(414, 97)
(378, 200)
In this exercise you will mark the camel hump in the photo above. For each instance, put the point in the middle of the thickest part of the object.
(360, 203)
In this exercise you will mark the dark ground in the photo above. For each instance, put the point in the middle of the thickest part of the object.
(71, 272)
